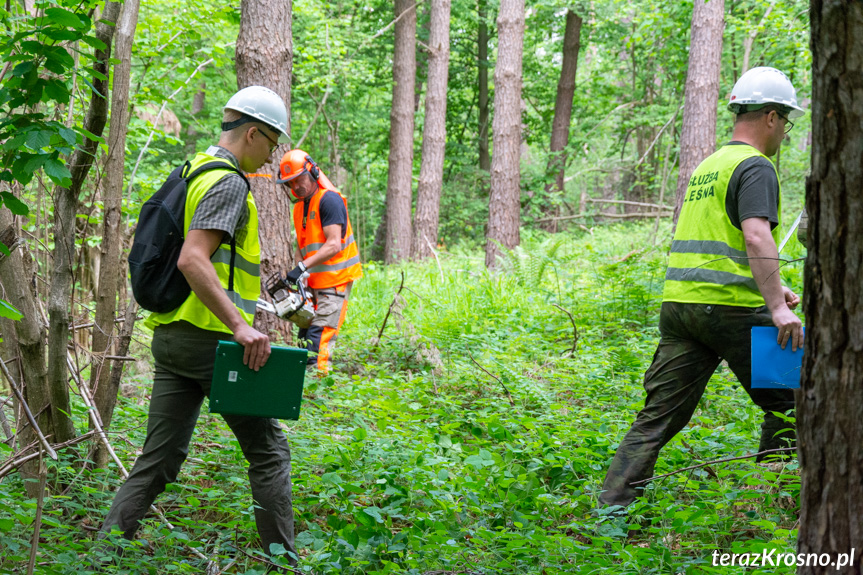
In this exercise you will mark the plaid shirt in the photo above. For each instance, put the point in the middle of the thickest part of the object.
(223, 207)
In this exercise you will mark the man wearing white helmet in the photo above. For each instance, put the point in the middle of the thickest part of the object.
(220, 259)
(722, 279)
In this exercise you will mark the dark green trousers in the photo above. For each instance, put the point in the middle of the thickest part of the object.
(694, 339)
(184, 357)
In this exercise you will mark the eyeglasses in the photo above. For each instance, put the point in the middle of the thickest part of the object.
(788, 123)
(275, 144)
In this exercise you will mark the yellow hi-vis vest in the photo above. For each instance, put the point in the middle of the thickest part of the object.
(247, 262)
(708, 263)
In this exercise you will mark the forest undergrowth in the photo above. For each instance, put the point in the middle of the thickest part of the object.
(471, 437)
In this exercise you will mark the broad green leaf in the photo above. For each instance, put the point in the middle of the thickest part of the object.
(375, 512)
(15, 205)
(65, 19)
(58, 172)
(94, 42)
(38, 139)
(6, 310)
(23, 68)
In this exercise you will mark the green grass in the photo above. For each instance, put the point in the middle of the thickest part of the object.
(409, 458)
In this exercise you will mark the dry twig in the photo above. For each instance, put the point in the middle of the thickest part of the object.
(706, 463)
(389, 311)
(574, 329)
(51, 453)
(508, 395)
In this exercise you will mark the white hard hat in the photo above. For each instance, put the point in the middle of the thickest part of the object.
(262, 104)
(763, 85)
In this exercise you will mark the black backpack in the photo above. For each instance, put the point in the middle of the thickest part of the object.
(156, 282)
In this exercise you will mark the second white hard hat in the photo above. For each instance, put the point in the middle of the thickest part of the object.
(262, 104)
(764, 85)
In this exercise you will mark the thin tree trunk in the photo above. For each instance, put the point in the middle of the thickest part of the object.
(399, 180)
(24, 339)
(504, 205)
(830, 401)
(191, 130)
(562, 116)
(65, 209)
(749, 39)
(482, 68)
(434, 133)
(110, 273)
(698, 136)
(265, 58)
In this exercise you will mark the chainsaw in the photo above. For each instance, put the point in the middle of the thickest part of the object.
(290, 302)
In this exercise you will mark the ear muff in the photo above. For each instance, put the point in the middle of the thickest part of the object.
(313, 167)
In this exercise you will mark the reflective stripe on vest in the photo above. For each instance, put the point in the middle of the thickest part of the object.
(341, 268)
(311, 248)
(247, 261)
(708, 262)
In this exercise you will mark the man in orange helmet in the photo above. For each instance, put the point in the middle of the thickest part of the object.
(326, 244)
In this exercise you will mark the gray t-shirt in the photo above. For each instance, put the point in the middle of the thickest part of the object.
(224, 207)
(753, 191)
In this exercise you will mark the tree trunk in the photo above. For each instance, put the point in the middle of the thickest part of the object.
(434, 133)
(504, 205)
(482, 67)
(399, 180)
(265, 58)
(830, 401)
(65, 209)
(24, 339)
(110, 272)
(191, 130)
(562, 117)
(698, 136)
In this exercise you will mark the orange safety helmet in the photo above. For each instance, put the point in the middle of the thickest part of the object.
(294, 164)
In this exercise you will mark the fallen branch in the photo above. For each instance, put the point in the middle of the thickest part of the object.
(612, 216)
(389, 311)
(156, 123)
(388, 26)
(12, 464)
(434, 253)
(628, 203)
(51, 453)
(314, 119)
(706, 463)
(574, 329)
(508, 395)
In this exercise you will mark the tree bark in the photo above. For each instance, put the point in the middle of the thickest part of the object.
(191, 130)
(24, 339)
(482, 68)
(830, 401)
(562, 116)
(110, 272)
(65, 209)
(265, 58)
(399, 180)
(698, 135)
(504, 205)
(434, 133)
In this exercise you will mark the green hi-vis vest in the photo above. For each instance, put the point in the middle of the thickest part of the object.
(247, 262)
(708, 263)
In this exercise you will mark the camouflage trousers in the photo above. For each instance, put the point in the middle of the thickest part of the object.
(694, 339)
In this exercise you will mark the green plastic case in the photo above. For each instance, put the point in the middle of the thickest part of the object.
(276, 390)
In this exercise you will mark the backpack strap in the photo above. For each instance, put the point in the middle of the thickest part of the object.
(219, 166)
(214, 166)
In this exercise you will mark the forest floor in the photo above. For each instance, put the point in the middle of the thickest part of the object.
(472, 438)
